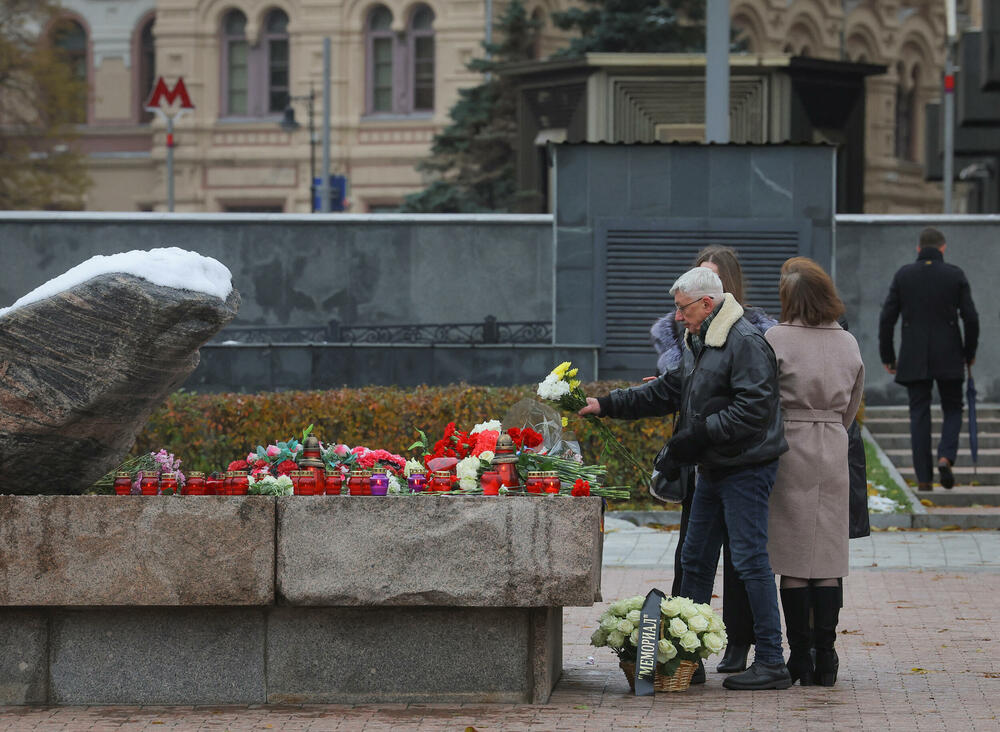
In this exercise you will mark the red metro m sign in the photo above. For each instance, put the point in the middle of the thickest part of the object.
(162, 96)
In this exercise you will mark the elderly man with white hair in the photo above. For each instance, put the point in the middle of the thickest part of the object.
(726, 391)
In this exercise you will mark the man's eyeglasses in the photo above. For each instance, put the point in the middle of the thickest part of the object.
(681, 308)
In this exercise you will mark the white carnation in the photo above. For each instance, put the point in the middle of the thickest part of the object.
(467, 471)
(486, 455)
(492, 425)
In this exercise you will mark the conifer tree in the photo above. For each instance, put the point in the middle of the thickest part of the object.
(634, 26)
(471, 166)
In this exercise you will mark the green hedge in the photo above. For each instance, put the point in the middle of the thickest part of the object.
(207, 431)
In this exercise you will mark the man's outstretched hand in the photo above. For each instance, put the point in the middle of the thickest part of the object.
(593, 407)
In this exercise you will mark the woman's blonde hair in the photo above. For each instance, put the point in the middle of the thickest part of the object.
(807, 293)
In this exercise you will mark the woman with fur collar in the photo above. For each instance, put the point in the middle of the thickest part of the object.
(668, 337)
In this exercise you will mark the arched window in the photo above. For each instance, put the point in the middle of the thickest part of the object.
(905, 108)
(255, 78)
(421, 41)
(381, 57)
(70, 41)
(236, 64)
(276, 43)
(400, 69)
(147, 69)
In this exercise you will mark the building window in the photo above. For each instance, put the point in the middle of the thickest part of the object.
(421, 41)
(276, 44)
(147, 69)
(256, 78)
(237, 63)
(70, 41)
(400, 70)
(905, 108)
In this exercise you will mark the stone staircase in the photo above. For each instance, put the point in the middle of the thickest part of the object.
(977, 487)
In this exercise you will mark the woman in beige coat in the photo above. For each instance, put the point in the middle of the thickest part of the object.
(821, 376)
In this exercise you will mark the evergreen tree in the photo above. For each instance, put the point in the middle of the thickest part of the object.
(635, 26)
(40, 101)
(471, 167)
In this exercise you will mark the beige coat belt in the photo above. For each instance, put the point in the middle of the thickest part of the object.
(812, 415)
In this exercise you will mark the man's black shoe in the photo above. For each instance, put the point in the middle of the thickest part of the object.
(735, 659)
(698, 677)
(760, 676)
(947, 477)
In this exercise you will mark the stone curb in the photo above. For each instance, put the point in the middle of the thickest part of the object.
(915, 505)
(878, 520)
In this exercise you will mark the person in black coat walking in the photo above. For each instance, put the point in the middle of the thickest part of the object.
(931, 295)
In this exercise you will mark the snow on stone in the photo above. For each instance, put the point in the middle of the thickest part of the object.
(169, 267)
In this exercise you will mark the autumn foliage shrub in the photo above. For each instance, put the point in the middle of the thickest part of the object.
(207, 431)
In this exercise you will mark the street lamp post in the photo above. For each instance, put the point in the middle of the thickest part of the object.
(290, 124)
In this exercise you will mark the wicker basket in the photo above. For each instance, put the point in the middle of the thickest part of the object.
(680, 681)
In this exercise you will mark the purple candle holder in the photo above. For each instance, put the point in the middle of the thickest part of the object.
(379, 484)
(417, 482)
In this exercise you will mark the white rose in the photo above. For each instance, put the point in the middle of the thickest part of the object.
(698, 624)
(712, 641)
(625, 626)
(689, 610)
(706, 610)
(599, 638)
(665, 650)
(636, 603)
(677, 627)
(634, 616)
(671, 607)
(634, 637)
(715, 624)
(609, 623)
(619, 608)
(486, 455)
(616, 639)
(689, 641)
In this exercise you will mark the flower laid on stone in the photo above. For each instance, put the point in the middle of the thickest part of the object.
(268, 485)
(688, 631)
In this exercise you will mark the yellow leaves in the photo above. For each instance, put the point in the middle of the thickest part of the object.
(565, 422)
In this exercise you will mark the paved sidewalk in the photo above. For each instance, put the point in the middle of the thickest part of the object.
(917, 644)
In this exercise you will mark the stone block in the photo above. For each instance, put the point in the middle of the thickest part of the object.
(158, 656)
(397, 655)
(136, 550)
(24, 646)
(464, 551)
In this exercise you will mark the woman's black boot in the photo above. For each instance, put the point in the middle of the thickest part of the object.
(826, 602)
(735, 659)
(796, 604)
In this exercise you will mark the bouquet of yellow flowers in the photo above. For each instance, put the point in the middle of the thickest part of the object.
(562, 387)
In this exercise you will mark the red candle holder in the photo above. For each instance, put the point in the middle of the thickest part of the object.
(333, 482)
(123, 484)
(535, 481)
(359, 483)
(213, 486)
(490, 482)
(150, 485)
(195, 485)
(240, 485)
(552, 482)
(440, 481)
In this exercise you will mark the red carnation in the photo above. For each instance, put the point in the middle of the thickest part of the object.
(515, 435)
(286, 466)
(581, 488)
(530, 438)
(237, 465)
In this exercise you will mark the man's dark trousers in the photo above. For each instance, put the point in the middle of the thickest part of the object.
(737, 503)
(950, 392)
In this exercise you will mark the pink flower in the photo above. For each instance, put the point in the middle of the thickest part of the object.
(341, 450)
(273, 451)
(251, 457)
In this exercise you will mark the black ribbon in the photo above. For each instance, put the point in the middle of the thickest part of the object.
(649, 638)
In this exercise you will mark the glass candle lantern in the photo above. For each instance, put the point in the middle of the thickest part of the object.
(240, 484)
(150, 484)
(440, 481)
(168, 484)
(417, 482)
(552, 482)
(213, 485)
(358, 484)
(227, 483)
(490, 481)
(195, 485)
(333, 482)
(123, 484)
(534, 482)
(307, 483)
(379, 484)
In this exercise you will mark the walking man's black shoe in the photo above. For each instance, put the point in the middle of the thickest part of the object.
(760, 676)
(947, 477)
